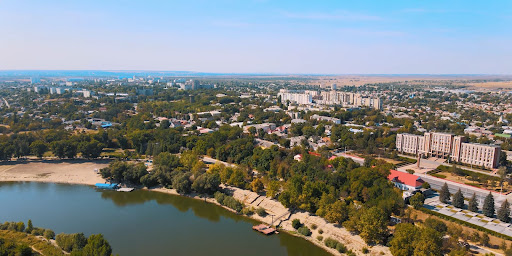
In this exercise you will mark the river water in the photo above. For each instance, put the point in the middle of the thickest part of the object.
(144, 222)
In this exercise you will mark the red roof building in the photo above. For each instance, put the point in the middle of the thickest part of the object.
(405, 181)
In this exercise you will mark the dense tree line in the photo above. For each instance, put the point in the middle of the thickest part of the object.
(79, 245)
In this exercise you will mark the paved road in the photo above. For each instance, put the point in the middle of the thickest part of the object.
(213, 160)
(6, 103)
(467, 191)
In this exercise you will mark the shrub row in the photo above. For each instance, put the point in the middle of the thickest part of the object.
(20, 227)
(331, 243)
(228, 201)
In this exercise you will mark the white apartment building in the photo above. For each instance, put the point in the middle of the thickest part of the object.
(297, 97)
(349, 99)
(326, 118)
(449, 146)
(345, 99)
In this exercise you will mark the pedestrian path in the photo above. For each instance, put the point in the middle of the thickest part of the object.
(470, 217)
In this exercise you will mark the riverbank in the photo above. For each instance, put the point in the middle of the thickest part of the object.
(83, 174)
(275, 209)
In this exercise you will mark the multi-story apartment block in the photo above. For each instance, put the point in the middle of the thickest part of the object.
(345, 99)
(440, 144)
(478, 154)
(297, 97)
(449, 146)
(409, 143)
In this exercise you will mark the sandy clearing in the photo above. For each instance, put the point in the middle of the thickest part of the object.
(57, 171)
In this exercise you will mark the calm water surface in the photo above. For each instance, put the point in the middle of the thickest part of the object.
(143, 222)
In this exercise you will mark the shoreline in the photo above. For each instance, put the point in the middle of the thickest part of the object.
(284, 227)
(83, 174)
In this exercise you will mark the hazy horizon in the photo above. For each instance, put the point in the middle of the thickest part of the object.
(258, 36)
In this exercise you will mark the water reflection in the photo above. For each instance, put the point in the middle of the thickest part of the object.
(144, 222)
(200, 208)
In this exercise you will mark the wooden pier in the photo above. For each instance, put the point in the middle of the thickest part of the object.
(264, 229)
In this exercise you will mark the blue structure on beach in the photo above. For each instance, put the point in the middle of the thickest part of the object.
(106, 124)
(107, 186)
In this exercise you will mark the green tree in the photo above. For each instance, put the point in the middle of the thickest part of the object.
(273, 188)
(473, 204)
(90, 149)
(372, 225)
(436, 224)
(503, 213)
(98, 246)
(484, 239)
(417, 200)
(182, 184)
(296, 223)
(458, 199)
(488, 207)
(71, 242)
(49, 234)
(336, 212)
(21, 250)
(29, 227)
(206, 183)
(403, 240)
(429, 243)
(38, 148)
(257, 185)
(444, 194)
(149, 180)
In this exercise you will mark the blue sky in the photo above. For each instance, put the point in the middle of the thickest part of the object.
(259, 36)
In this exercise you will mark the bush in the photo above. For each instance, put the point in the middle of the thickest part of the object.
(20, 226)
(365, 250)
(296, 223)
(228, 201)
(49, 234)
(261, 212)
(37, 231)
(248, 211)
(304, 231)
(219, 196)
(331, 243)
(70, 242)
(23, 250)
(320, 238)
(351, 253)
(341, 248)
(313, 226)
(320, 231)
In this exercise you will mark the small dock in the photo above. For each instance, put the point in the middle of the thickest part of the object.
(125, 190)
(107, 186)
(264, 229)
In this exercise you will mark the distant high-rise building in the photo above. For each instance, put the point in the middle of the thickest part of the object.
(35, 80)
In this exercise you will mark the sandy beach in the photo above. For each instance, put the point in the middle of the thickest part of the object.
(55, 171)
(83, 172)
